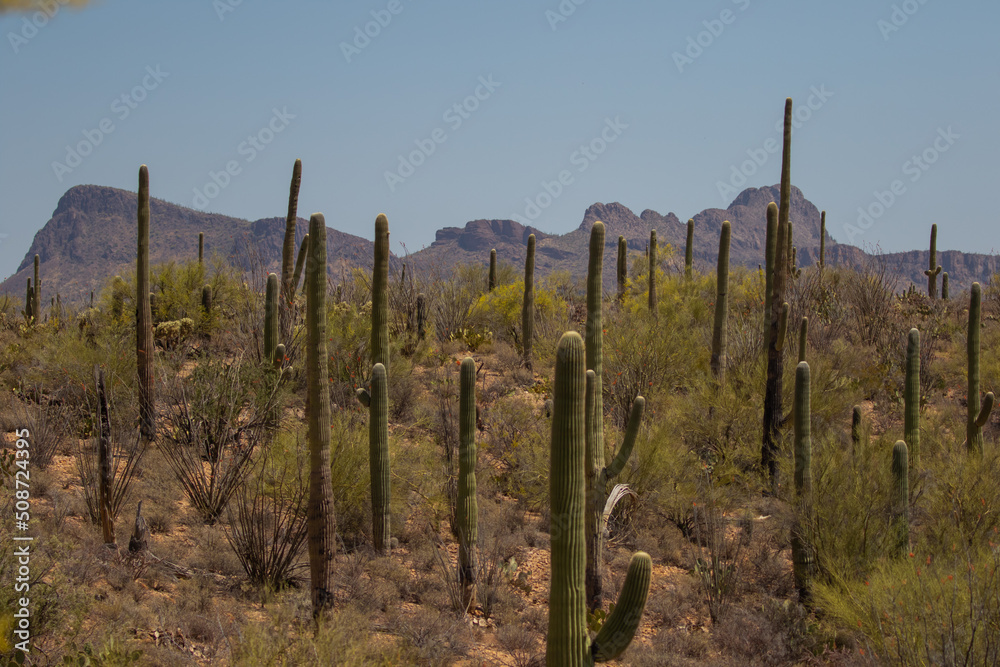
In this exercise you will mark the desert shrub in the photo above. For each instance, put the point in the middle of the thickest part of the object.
(349, 475)
(516, 440)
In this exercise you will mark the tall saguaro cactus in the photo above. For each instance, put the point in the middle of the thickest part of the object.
(288, 252)
(321, 522)
(299, 263)
(493, 270)
(380, 294)
(622, 273)
(911, 399)
(201, 247)
(978, 412)
(144, 316)
(689, 251)
(803, 337)
(719, 329)
(772, 392)
(270, 317)
(770, 241)
(378, 457)
(528, 304)
(652, 273)
(468, 508)
(29, 303)
(802, 557)
(901, 488)
(568, 642)
(944, 286)
(933, 267)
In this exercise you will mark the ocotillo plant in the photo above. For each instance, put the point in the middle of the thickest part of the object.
(322, 523)
(568, 642)
(104, 485)
(802, 557)
(719, 328)
(944, 286)
(622, 273)
(933, 267)
(38, 290)
(803, 338)
(421, 316)
(770, 239)
(528, 303)
(978, 414)
(299, 263)
(689, 251)
(270, 317)
(288, 252)
(493, 270)
(901, 488)
(911, 399)
(201, 247)
(597, 475)
(467, 512)
(772, 392)
(380, 295)
(144, 317)
(652, 273)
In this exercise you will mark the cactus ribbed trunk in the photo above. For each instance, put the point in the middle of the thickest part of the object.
(803, 338)
(144, 316)
(911, 400)
(652, 273)
(378, 457)
(271, 308)
(978, 412)
(901, 500)
(104, 462)
(802, 557)
(689, 251)
(299, 263)
(528, 302)
(772, 392)
(380, 294)
(29, 307)
(622, 273)
(468, 510)
(770, 241)
(620, 625)
(493, 270)
(719, 329)
(944, 286)
(594, 418)
(288, 253)
(933, 268)
(201, 247)
(206, 299)
(321, 521)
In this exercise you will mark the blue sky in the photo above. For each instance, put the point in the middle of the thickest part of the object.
(652, 104)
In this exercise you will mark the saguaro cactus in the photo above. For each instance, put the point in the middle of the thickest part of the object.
(978, 412)
(380, 294)
(299, 263)
(622, 273)
(29, 306)
(322, 522)
(933, 267)
(378, 457)
(901, 487)
(770, 239)
(468, 510)
(528, 304)
(493, 269)
(421, 316)
(568, 642)
(911, 399)
(652, 273)
(206, 299)
(270, 317)
(719, 329)
(201, 247)
(944, 286)
(689, 251)
(802, 557)
(144, 316)
(288, 251)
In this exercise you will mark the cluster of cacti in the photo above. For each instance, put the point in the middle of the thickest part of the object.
(144, 317)
(493, 270)
(652, 272)
(901, 500)
(689, 251)
(568, 642)
(467, 511)
(597, 475)
(622, 268)
(719, 328)
(528, 303)
(803, 560)
(288, 253)
(978, 410)
(911, 399)
(933, 267)
(322, 523)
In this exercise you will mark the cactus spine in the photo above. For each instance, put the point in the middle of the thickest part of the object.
(322, 523)
(689, 251)
(493, 270)
(901, 488)
(144, 317)
(803, 338)
(568, 642)
(933, 267)
(201, 247)
(718, 362)
(911, 399)
(421, 316)
(378, 457)
(802, 557)
(380, 294)
(468, 509)
(528, 305)
(944, 286)
(622, 273)
(652, 273)
(978, 414)
(270, 317)
(288, 252)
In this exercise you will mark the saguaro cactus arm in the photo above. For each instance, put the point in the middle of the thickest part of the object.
(619, 628)
(628, 442)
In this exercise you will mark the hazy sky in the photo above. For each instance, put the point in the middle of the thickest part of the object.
(441, 112)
